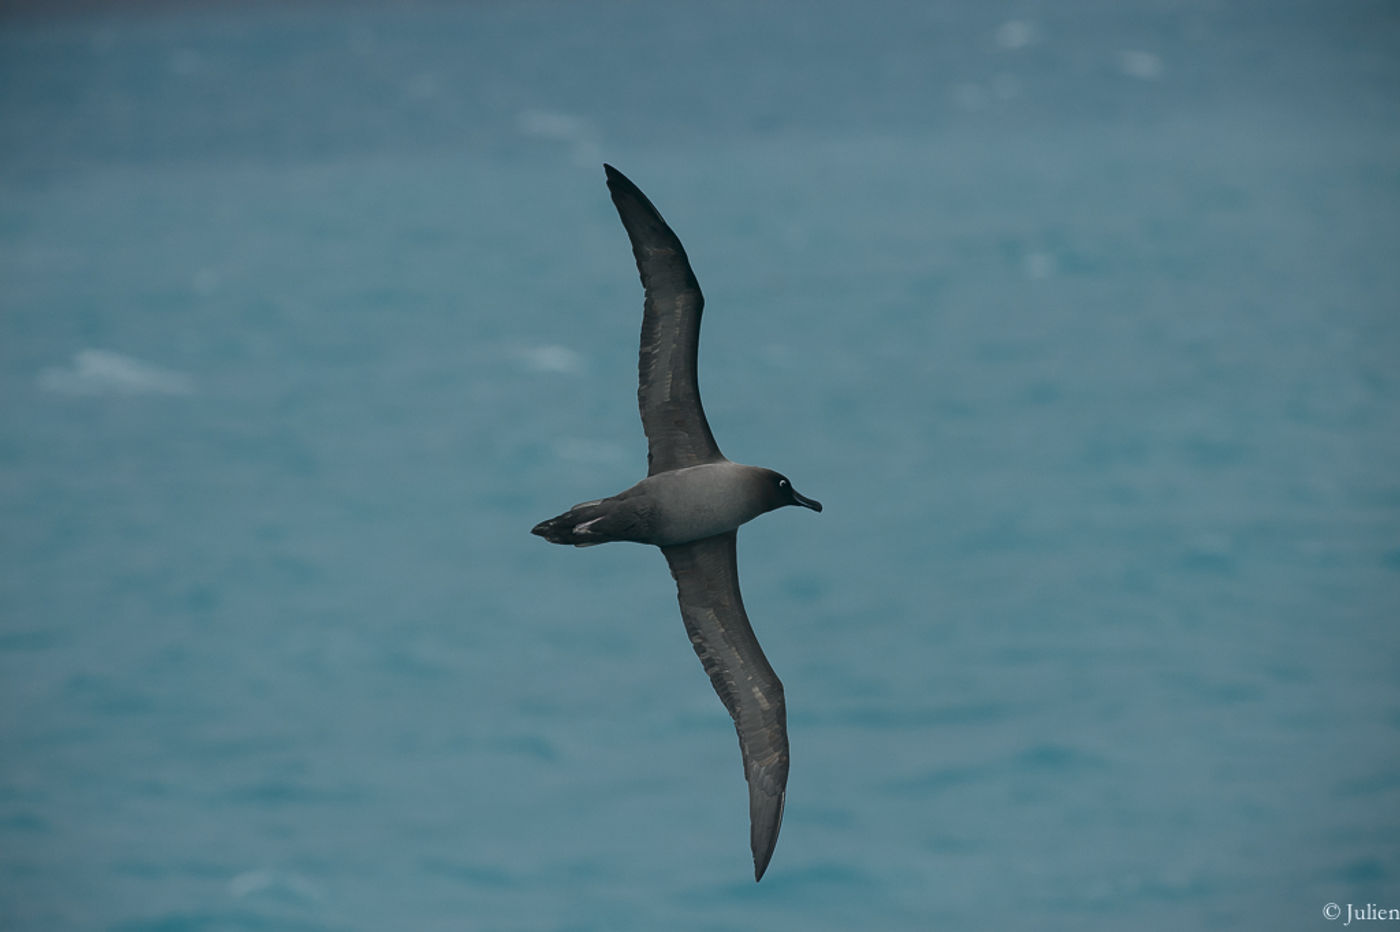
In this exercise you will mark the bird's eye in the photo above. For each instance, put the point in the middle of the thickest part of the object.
(782, 483)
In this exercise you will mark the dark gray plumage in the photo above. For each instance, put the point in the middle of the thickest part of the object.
(691, 505)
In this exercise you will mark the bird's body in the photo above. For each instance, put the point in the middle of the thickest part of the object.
(691, 505)
(673, 507)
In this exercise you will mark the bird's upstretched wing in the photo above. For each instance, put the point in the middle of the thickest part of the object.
(707, 582)
(667, 390)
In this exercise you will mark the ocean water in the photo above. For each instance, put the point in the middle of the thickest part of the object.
(1081, 319)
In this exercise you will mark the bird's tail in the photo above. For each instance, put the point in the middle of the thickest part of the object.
(576, 526)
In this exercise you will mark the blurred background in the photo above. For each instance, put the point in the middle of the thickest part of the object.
(1081, 318)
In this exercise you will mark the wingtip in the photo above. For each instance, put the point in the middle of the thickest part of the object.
(764, 827)
(622, 186)
(761, 857)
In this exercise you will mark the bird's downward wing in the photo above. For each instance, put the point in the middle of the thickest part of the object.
(667, 391)
(707, 582)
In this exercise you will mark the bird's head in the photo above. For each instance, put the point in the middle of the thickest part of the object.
(781, 492)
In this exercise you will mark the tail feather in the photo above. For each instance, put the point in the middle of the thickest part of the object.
(575, 526)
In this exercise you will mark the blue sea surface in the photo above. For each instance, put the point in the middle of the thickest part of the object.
(1082, 320)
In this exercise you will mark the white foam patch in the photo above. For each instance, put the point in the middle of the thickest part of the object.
(1138, 64)
(264, 881)
(101, 372)
(1039, 265)
(1016, 34)
(578, 133)
(552, 358)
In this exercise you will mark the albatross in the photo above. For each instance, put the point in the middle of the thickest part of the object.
(691, 505)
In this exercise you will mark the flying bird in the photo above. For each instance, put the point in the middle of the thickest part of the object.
(691, 505)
